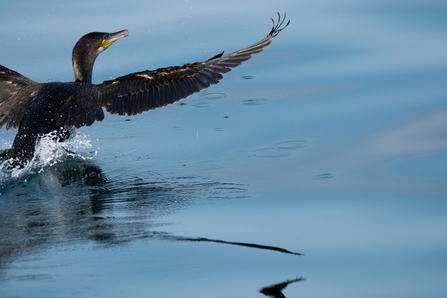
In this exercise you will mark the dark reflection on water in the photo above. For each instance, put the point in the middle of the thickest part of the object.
(252, 245)
(74, 201)
(275, 290)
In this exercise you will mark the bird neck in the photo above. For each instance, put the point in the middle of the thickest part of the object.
(83, 68)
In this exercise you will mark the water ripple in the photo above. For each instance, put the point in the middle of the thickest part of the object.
(324, 176)
(279, 149)
(218, 129)
(213, 95)
(254, 102)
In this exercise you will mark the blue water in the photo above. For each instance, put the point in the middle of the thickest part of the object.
(332, 143)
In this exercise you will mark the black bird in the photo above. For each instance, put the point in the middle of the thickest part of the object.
(37, 109)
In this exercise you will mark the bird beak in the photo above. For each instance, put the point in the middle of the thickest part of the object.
(112, 37)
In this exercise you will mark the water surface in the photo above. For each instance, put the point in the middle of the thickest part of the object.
(332, 143)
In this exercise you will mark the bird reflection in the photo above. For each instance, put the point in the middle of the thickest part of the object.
(275, 291)
(74, 200)
(252, 245)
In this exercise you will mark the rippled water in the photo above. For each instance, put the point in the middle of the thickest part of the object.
(331, 143)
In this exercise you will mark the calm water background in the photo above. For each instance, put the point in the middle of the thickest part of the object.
(332, 143)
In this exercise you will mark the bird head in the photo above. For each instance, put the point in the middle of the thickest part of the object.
(87, 50)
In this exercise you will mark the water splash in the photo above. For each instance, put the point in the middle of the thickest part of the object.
(50, 152)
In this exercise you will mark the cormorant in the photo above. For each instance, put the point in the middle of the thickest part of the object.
(37, 109)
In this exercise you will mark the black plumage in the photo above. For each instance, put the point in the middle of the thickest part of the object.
(37, 109)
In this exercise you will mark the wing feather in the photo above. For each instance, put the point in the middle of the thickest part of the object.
(142, 91)
(17, 94)
(81, 103)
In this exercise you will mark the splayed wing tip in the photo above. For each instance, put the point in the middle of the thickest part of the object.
(278, 26)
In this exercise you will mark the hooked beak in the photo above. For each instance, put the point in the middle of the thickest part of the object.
(112, 37)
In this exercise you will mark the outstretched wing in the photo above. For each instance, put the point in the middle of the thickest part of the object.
(16, 96)
(142, 91)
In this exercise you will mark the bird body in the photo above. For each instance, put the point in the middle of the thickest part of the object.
(37, 109)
